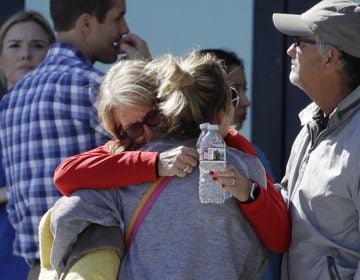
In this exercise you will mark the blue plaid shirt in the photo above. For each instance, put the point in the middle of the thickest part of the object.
(48, 116)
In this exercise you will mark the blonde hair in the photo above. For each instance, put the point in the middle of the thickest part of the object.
(24, 16)
(192, 91)
(126, 83)
(187, 91)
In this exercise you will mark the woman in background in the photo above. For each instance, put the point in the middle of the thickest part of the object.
(24, 40)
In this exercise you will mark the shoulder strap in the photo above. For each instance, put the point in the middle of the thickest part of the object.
(143, 208)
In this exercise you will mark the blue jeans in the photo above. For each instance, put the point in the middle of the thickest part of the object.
(273, 271)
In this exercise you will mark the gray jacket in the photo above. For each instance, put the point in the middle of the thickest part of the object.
(180, 238)
(323, 183)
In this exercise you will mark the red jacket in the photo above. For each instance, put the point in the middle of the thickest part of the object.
(101, 170)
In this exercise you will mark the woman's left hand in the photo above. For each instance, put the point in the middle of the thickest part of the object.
(231, 180)
(179, 161)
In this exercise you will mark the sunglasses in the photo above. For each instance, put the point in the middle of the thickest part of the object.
(298, 40)
(136, 130)
(235, 98)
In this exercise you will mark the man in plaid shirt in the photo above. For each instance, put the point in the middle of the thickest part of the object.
(51, 113)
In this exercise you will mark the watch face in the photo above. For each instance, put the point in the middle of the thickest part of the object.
(254, 191)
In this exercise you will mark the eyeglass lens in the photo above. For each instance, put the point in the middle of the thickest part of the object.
(135, 130)
(298, 40)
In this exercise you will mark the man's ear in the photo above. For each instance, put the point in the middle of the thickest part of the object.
(84, 23)
(333, 58)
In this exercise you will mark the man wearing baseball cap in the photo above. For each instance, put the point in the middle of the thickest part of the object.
(322, 180)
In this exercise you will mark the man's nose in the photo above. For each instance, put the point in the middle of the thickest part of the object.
(291, 50)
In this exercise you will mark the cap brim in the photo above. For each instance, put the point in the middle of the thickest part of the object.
(292, 25)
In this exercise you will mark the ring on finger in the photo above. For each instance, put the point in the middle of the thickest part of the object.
(185, 169)
(232, 182)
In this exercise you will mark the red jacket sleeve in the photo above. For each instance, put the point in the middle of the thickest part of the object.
(268, 213)
(95, 169)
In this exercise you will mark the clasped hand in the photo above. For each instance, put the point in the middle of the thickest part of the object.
(179, 161)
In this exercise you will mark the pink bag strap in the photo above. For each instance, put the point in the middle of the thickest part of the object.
(143, 208)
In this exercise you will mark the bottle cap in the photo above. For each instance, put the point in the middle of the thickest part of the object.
(203, 125)
(212, 126)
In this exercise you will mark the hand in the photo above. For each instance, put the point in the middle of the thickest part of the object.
(3, 195)
(177, 162)
(134, 47)
(231, 180)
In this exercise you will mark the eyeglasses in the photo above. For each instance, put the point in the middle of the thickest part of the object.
(136, 130)
(235, 98)
(298, 40)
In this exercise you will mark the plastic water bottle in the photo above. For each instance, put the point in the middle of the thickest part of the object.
(212, 156)
(203, 130)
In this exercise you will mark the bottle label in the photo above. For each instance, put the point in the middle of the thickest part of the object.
(213, 153)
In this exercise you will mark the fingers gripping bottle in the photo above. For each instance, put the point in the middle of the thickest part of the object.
(212, 155)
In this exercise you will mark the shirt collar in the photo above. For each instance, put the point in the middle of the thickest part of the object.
(65, 49)
(345, 107)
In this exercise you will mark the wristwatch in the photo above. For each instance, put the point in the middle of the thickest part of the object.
(254, 193)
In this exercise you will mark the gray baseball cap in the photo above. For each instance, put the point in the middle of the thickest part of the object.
(335, 21)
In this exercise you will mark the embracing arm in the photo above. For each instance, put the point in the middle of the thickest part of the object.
(99, 168)
(269, 218)
(71, 218)
(268, 213)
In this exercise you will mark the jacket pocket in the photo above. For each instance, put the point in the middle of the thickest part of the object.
(332, 269)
